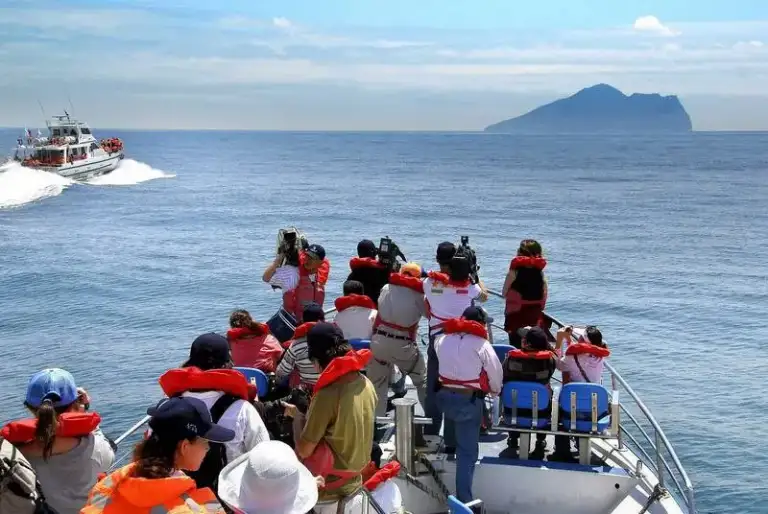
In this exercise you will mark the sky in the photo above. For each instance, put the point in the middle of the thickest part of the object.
(373, 64)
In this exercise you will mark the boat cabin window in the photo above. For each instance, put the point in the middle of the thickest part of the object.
(85, 130)
(56, 132)
(94, 146)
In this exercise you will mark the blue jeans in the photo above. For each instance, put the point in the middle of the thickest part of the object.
(431, 409)
(465, 413)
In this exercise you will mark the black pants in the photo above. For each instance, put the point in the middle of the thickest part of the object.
(514, 436)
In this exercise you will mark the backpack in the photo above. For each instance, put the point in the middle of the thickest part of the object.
(20, 492)
(216, 458)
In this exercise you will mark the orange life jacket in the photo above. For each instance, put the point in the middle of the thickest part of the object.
(466, 326)
(354, 300)
(520, 312)
(69, 424)
(254, 348)
(122, 493)
(230, 381)
(412, 283)
(365, 262)
(307, 291)
(589, 349)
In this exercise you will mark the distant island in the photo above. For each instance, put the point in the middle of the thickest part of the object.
(602, 109)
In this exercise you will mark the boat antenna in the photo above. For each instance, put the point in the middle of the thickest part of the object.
(41, 109)
(71, 107)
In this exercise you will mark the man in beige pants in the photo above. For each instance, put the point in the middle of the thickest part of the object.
(401, 306)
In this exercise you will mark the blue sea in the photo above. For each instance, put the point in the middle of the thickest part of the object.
(660, 242)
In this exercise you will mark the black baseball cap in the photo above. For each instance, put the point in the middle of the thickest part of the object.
(316, 252)
(312, 312)
(366, 248)
(445, 252)
(474, 313)
(536, 337)
(185, 418)
(322, 337)
(209, 351)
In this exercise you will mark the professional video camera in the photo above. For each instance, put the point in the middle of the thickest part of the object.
(290, 241)
(463, 249)
(389, 252)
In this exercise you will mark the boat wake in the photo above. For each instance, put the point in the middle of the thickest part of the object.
(20, 185)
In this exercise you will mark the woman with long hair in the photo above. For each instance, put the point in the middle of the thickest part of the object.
(251, 343)
(525, 290)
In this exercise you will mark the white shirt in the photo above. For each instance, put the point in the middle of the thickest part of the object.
(446, 301)
(286, 278)
(356, 322)
(465, 356)
(593, 367)
(242, 417)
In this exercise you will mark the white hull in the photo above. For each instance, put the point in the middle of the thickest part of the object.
(86, 169)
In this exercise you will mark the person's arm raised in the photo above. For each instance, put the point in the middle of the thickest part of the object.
(272, 268)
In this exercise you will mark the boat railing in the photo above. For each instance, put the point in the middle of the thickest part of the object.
(643, 434)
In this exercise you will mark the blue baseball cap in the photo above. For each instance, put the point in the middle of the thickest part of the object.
(53, 384)
(184, 418)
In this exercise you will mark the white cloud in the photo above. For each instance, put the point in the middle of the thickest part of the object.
(748, 45)
(283, 23)
(652, 25)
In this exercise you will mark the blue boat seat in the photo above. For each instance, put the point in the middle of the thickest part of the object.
(258, 377)
(532, 398)
(502, 350)
(455, 506)
(360, 344)
(585, 408)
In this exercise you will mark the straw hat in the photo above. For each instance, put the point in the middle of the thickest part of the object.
(268, 480)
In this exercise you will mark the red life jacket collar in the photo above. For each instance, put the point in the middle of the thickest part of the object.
(465, 326)
(341, 366)
(301, 330)
(70, 424)
(230, 381)
(587, 348)
(243, 332)
(390, 470)
(365, 262)
(354, 300)
(413, 283)
(522, 261)
(535, 355)
(437, 276)
(322, 272)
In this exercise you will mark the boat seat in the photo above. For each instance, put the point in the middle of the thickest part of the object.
(502, 350)
(530, 397)
(585, 408)
(457, 507)
(360, 344)
(258, 377)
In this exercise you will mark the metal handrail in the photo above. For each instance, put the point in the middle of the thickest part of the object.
(686, 492)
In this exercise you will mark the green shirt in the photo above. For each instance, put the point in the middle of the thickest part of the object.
(343, 414)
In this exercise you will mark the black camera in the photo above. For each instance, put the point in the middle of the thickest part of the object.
(290, 241)
(389, 252)
(466, 251)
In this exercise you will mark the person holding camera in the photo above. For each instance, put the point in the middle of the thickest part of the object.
(368, 270)
(302, 283)
(447, 294)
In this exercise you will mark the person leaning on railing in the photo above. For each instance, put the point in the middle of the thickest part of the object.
(525, 290)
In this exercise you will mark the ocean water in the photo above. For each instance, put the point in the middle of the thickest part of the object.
(660, 242)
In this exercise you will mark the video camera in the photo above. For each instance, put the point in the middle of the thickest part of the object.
(463, 249)
(290, 241)
(388, 253)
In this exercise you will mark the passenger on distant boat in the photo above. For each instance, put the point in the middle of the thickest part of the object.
(368, 270)
(338, 436)
(295, 362)
(582, 362)
(303, 284)
(534, 363)
(181, 429)
(251, 343)
(446, 294)
(269, 480)
(401, 306)
(468, 370)
(525, 290)
(355, 312)
(208, 377)
(63, 442)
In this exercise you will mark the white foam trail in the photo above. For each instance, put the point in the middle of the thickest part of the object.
(128, 173)
(20, 185)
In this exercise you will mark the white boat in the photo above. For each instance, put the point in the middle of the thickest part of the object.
(626, 463)
(69, 150)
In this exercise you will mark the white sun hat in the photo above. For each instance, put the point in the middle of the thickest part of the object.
(269, 479)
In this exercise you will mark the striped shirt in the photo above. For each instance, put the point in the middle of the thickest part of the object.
(297, 356)
(286, 278)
